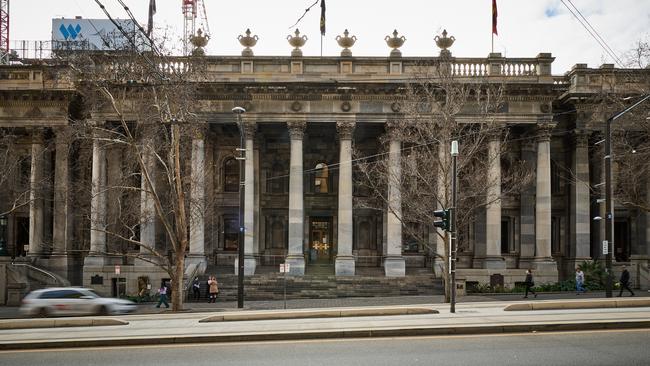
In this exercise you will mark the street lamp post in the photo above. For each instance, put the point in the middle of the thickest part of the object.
(609, 207)
(454, 232)
(3, 233)
(242, 179)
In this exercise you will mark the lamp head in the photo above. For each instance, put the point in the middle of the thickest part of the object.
(238, 110)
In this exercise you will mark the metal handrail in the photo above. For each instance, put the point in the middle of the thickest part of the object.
(56, 280)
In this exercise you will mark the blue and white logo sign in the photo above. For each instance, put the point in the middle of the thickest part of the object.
(70, 32)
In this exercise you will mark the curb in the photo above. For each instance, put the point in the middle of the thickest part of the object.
(579, 304)
(59, 323)
(328, 334)
(321, 313)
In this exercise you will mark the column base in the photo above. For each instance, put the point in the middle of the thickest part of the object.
(95, 260)
(60, 264)
(439, 267)
(344, 266)
(494, 263)
(148, 261)
(296, 265)
(545, 270)
(250, 263)
(200, 260)
(395, 266)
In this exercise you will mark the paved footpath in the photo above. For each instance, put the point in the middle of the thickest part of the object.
(470, 318)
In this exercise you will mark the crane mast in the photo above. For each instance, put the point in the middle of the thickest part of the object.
(4, 32)
(192, 9)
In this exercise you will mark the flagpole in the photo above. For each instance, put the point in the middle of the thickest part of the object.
(321, 45)
(492, 42)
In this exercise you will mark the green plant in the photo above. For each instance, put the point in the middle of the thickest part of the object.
(595, 275)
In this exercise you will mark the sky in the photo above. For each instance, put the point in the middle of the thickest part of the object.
(525, 27)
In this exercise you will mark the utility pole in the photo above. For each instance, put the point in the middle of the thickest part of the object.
(453, 228)
(609, 206)
(242, 180)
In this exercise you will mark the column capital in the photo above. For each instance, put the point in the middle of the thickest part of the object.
(249, 129)
(393, 127)
(544, 131)
(63, 135)
(38, 135)
(296, 129)
(345, 129)
(580, 137)
(199, 131)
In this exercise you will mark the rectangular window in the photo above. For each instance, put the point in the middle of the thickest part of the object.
(505, 236)
(230, 234)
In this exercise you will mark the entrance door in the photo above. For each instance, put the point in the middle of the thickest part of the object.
(320, 240)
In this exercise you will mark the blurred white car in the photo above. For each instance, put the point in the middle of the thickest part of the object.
(72, 301)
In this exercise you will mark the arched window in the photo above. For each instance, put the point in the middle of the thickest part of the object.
(321, 178)
(230, 175)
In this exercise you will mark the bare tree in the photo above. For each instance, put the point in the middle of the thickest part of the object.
(142, 105)
(437, 108)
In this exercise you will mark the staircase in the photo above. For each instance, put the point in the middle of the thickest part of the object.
(321, 283)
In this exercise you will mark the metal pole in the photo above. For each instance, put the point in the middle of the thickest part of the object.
(609, 214)
(242, 180)
(609, 195)
(454, 237)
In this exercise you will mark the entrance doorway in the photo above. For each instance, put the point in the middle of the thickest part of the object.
(320, 240)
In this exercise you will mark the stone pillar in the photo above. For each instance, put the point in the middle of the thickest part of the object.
(97, 255)
(527, 210)
(296, 257)
(543, 258)
(197, 201)
(147, 203)
(62, 220)
(36, 195)
(394, 264)
(345, 265)
(580, 200)
(443, 195)
(249, 201)
(493, 257)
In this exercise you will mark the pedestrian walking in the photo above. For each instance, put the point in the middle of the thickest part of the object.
(214, 289)
(530, 283)
(162, 291)
(580, 281)
(196, 288)
(625, 282)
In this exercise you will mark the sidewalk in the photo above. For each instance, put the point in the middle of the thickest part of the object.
(470, 318)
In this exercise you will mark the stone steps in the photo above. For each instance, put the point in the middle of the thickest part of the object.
(271, 286)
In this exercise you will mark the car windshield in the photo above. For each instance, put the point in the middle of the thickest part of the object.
(91, 293)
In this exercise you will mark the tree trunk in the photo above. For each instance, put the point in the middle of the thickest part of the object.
(178, 294)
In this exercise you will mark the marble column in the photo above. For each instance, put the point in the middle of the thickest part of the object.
(36, 195)
(97, 255)
(394, 263)
(580, 200)
(527, 210)
(147, 203)
(493, 257)
(443, 197)
(250, 262)
(62, 217)
(543, 258)
(197, 203)
(296, 257)
(345, 265)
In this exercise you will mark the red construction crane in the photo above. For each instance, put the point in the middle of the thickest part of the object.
(4, 31)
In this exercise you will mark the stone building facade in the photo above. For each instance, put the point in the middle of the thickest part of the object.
(303, 117)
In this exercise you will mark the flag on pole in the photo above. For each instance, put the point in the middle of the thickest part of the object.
(152, 11)
(322, 17)
(494, 17)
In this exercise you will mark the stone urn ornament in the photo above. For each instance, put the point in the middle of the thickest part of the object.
(199, 41)
(346, 42)
(444, 42)
(296, 41)
(395, 43)
(248, 41)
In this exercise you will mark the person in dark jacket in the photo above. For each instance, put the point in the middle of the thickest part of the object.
(530, 283)
(196, 288)
(625, 282)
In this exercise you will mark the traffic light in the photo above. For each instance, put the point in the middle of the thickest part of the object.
(445, 223)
